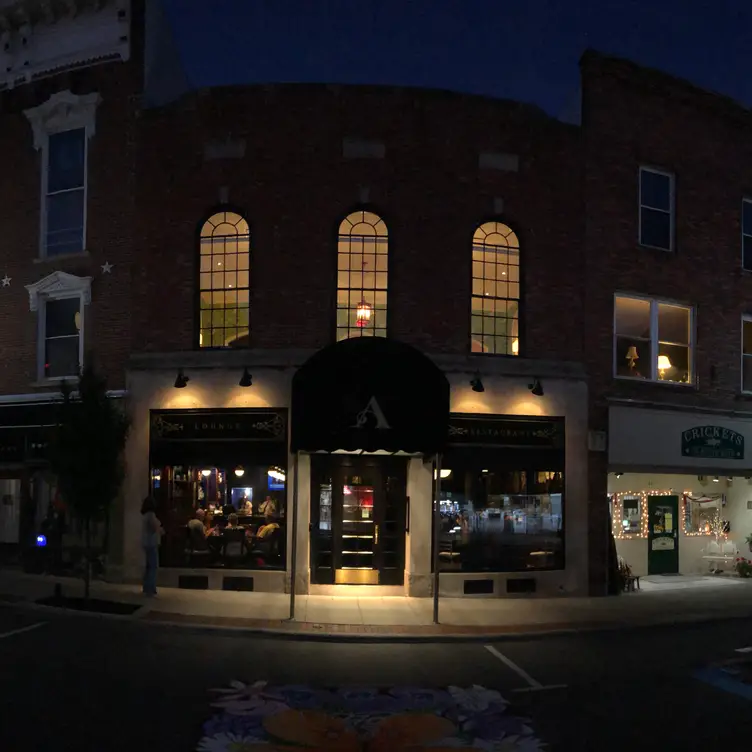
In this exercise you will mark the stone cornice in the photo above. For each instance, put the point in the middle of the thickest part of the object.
(283, 359)
(17, 14)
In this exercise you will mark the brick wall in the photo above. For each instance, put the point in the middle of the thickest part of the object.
(295, 186)
(110, 215)
(634, 116)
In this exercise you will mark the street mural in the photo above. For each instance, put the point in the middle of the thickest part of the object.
(263, 717)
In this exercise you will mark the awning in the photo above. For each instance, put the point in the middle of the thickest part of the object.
(370, 394)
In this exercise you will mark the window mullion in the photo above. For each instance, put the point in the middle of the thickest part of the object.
(654, 340)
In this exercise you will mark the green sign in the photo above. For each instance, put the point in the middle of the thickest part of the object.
(712, 442)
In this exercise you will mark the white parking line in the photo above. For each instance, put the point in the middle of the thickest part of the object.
(21, 630)
(743, 650)
(533, 685)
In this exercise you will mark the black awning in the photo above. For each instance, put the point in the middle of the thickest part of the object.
(370, 394)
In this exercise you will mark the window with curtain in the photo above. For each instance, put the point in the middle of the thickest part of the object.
(362, 276)
(495, 311)
(224, 281)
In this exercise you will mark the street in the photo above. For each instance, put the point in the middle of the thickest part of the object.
(87, 683)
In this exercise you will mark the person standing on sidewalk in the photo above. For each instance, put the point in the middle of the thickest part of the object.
(151, 535)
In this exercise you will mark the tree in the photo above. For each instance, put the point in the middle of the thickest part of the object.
(87, 454)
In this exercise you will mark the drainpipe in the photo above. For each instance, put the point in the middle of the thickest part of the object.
(294, 552)
(436, 537)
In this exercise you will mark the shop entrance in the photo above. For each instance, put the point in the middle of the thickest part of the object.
(663, 535)
(358, 520)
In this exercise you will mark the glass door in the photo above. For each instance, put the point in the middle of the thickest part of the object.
(358, 494)
(391, 521)
(358, 520)
(663, 535)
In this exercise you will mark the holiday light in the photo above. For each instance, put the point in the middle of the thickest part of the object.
(618, 512)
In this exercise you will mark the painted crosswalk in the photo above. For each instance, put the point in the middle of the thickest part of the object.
(733, 675)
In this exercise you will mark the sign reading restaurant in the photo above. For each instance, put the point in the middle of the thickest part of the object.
(712, 442)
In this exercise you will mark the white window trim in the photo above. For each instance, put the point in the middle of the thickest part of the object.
(63, 111)
(654, 340)
(671, 212)
(747, 234)
(746, 318)
(58, 286)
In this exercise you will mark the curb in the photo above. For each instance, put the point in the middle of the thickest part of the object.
(519, 633)
(524, 633)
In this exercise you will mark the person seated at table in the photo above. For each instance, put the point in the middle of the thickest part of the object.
(267, 528)
(209, 521)
(232, 521)
(197, 530)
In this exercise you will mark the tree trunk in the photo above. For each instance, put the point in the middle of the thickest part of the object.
(87, 559)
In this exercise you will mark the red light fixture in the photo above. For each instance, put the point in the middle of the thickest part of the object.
(363, 314)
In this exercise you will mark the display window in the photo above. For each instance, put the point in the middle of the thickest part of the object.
(500, 520)
(222, 516)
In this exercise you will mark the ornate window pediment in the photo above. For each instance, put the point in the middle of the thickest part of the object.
(59, 285)
(63, 111)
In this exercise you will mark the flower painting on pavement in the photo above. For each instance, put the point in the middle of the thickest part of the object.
(263, 717)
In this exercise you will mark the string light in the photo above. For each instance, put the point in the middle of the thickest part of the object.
(707, 532)
(618, 512)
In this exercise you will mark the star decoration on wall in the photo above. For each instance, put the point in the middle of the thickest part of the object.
(107, 267)
(6, 281)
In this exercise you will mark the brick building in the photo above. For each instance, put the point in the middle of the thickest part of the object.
(221, 253)
(667, 217)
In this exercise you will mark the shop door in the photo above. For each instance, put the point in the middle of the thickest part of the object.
(663, 535)
(358, 521)
(10, 510)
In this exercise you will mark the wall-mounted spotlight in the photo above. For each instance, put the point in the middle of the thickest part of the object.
(246, 379)
(716, 479)
(181, 380)
(477, 384)
(618, 475)
(536, 388)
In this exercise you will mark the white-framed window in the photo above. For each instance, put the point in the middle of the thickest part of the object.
(703, 514)
(747, 354)
(747, 234)
(656, 218)
(62, 127)
(60, 301)
(653, 339)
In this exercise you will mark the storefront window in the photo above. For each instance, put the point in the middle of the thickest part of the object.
(503, 521)
(702, 515)
(627, 516)
(220, 516)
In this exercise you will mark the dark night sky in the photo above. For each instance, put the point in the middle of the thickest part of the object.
(526, 50)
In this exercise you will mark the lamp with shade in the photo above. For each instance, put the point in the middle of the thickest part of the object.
(663, 365)
(632, 356)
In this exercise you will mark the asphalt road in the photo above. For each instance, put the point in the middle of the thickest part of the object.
(84, 683)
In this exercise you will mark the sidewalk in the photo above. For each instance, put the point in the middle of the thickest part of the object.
(680, 600)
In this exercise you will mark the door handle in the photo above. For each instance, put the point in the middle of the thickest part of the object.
(376, 535)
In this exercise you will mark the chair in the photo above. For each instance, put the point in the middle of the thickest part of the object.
(234, 546)
(196, 549)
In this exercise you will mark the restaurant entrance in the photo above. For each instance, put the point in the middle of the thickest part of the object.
(358, 520)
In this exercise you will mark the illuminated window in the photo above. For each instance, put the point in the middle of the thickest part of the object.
(496, 290)
(362, 276)
(652, 340)
(224, 281)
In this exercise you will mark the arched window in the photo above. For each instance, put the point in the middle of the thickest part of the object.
(224, 283)
(495, 318)
(362, 276)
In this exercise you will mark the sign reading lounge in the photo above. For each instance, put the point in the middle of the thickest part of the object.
(712, 442)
